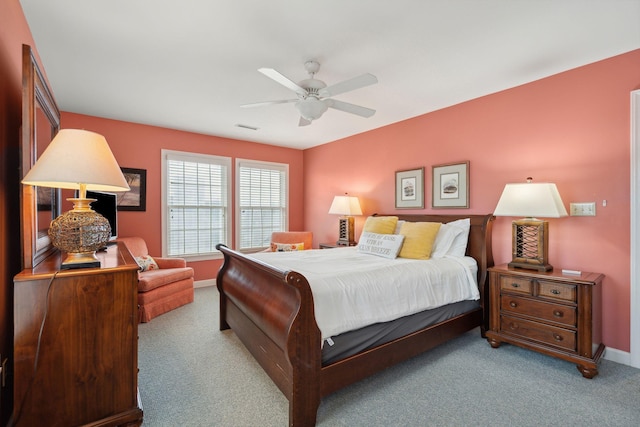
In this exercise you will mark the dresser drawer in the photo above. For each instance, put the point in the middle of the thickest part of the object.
(559, 291)
(558, 337)
(563, 314)
(520, 285)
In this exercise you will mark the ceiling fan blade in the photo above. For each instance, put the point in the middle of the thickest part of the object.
(284, 81)
(262, 104)
(304, 122)
(349, 108)
(348, 85)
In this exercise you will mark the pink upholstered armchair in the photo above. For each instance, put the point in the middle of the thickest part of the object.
(292, 237)
(161, 288)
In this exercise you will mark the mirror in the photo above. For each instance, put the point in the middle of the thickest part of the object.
(40, 123)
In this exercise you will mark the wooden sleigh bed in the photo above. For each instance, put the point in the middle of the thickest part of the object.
(272, 312)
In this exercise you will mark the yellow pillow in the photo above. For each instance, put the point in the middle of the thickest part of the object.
(418, 239)
(380, 224)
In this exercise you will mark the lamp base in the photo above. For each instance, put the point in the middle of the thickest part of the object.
(80, 232)
(80, 260)
(530, 244)
(537, 267)
(346, 232)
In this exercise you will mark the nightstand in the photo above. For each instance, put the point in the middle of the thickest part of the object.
(553, 313)
(333, 245)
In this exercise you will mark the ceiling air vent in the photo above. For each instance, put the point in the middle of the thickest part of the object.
(246, 127)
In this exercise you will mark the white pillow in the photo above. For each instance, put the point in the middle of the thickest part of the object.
(459, 246)
(444, 240)
(384, 245)
(398, 226)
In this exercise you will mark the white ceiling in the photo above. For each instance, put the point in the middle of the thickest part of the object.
(190, 64)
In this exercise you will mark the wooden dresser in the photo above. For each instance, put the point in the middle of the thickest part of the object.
(76, 343)
(555, 314)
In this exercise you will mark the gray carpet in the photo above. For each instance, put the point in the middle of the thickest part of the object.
(191, 374)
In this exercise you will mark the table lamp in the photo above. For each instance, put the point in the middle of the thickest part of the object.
(78, 160)
(345, 206)
(530, 236)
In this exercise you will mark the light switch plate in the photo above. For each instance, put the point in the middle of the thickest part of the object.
(583, 209)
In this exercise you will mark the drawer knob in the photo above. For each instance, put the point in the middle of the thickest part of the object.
(558, 313)
(557, 337)
(513, 304)
(555, 291)
(513, 326)
(515, 285)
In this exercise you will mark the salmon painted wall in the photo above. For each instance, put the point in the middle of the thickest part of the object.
(572, 129)
(139, 146)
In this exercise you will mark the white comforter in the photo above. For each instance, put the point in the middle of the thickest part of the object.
(352, 290)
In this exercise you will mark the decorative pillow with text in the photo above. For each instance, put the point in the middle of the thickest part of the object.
(384, 245)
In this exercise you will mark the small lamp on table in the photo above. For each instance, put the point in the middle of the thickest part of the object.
(347, 206)
(530, 235)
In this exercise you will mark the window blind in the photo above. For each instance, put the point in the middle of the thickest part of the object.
(196, 203)
(262, 202)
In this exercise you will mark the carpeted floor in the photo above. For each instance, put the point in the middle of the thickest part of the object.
(191, 374)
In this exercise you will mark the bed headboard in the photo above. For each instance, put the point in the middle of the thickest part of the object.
(479, 246)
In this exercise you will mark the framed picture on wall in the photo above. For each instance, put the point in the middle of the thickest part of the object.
(136, 198)
(451, 185)
(410, 189)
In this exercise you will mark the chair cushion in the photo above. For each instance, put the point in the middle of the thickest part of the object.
(152, 279)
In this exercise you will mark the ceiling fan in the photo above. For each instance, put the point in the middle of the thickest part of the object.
(314, 96)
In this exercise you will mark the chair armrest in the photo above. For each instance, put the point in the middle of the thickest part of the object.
(170, 262)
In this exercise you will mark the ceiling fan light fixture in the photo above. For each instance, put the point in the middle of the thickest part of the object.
(311, 108)
(315, 97)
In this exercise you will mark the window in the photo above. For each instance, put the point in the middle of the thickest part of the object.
(195, 200)
(262, 202)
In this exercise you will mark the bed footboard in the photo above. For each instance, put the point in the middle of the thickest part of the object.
(271, 311)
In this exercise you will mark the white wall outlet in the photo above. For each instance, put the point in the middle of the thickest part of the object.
(582, 209)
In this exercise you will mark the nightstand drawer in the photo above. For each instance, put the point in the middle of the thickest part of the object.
(521, 285)
(559, 291)
(543, 310)
(558, 337)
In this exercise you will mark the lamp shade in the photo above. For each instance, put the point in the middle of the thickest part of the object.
(345, 205)
(76, 157)
(531, 200)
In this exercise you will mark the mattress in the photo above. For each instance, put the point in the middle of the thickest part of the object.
(352, 290)
(353, 342)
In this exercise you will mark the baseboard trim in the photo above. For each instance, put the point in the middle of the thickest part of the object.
(204, 283)
(618, 356)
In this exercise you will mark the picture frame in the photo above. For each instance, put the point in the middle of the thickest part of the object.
(410, 189)
(450, 185)
(136, 198)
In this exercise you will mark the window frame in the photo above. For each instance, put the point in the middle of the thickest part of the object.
(240, 162)
(198, 158)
